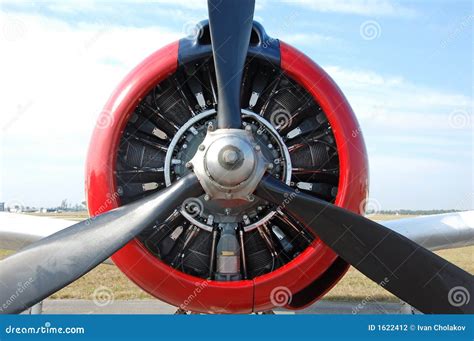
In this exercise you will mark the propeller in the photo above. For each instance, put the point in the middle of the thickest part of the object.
(53, 262)
(230, 24)
(401, 266)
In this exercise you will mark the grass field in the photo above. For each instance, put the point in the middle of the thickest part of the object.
(76, 216)
(353, 287)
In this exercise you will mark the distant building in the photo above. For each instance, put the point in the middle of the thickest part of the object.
(2, 206)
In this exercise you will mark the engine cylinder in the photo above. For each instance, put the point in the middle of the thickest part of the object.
(128, 160)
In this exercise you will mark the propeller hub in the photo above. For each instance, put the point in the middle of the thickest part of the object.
(230, 157)
(229, 164)
(264, 139)
(230, 160)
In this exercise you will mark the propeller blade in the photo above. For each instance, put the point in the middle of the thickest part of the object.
(404, 268)
(55, 261)
(230, 24)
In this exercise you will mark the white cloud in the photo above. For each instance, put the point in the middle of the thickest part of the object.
(199, 4)
(302, 39)
(418, 158)
(419, 182)
(80, 5)
(395, 102)
(55, 81)
(188, 4)
(359, 7)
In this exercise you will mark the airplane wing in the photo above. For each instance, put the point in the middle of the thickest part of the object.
(434, 232)
(437, 232)
(20, 230)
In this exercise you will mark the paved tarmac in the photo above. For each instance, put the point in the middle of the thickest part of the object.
(158, 307)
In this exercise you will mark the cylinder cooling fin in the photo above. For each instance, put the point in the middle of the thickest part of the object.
(166, 129)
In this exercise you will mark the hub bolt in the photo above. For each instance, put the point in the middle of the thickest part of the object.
(230, 156)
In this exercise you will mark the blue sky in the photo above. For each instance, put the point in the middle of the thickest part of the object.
(405, 66)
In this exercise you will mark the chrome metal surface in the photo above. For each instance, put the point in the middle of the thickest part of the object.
(437, 232)
(177, 137)
(230, 158)
(190, 138)
(226, 181)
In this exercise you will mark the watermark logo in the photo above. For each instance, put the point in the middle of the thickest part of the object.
(280, 119)
(369, 206)
(458, 296)
(462, 26)
(105, 120)
(196, 292)
(192, 206)
(369, 298)
(47, 328)
(109, 203)
(356, 132)
(20, 111)
(101, 30)
(280, 296)
(370, 30)
(103, 296)
(22, 287)
(13, 29)
(460, 119)
(15, 206)
(192, 30)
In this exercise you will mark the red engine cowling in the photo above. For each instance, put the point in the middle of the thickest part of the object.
(305, 276)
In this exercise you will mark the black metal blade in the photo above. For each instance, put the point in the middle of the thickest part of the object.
(230, 23)
(428, 282)
(53, 262)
